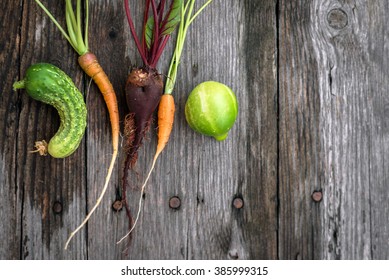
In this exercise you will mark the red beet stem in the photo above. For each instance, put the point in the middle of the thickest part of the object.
(133, 32)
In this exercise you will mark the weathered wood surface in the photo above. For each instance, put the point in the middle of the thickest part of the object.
(312, 82)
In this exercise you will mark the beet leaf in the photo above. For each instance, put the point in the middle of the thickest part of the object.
(173, 18)
(156, 29)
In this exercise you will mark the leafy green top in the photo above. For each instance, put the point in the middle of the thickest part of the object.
(73, 23)
(187, 18)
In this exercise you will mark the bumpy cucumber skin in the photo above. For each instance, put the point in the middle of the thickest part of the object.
(49, 84)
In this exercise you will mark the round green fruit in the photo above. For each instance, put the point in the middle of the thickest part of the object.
(211, 109)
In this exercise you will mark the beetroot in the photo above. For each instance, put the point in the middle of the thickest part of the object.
(143, 93)
(144, 85)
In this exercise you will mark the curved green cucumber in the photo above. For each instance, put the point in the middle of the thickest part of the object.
(49, 84)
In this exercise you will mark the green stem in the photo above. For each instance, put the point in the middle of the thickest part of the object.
(86, 23)
(186, 21)
(73, 24)
(69, 11)
(79, 29)
(19, 85)
(54, 20)
(200, 10)
(72, 35)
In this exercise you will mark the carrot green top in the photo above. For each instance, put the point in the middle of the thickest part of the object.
(73, 22)
(187, 18)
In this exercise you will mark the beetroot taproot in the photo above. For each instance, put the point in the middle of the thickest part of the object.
(144, 84)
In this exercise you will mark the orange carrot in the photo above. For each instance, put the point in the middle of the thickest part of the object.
(93, 69)
(166, 110)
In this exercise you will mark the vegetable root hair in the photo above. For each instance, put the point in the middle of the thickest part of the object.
(129, 131)
(166, 111)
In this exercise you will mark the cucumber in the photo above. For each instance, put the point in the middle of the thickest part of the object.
(49, 84)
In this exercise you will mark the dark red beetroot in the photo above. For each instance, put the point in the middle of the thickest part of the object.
(144, 85)
(143, 92)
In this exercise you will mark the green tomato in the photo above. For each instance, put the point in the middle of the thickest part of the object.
(211, 109)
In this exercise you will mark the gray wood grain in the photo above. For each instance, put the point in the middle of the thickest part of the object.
(299, 134)
(354, 152)
(10, 193)
(258, 147)
(307, 155)
(333, 70)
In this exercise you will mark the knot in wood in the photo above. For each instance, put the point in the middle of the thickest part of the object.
(337, 18)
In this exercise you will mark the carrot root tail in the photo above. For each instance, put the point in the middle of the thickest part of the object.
(99, 199)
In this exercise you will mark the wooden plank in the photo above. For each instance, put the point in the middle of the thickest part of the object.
(108, 42)
(45, 181)
(377, 126)
(258, 156)
(332, 103)
(10, 194)
(354, 150)
(299, 134)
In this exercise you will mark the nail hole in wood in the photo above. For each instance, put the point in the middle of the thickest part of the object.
(317, 196)
(175, 202)
(112, 33)
(238, 203)
(117, 205)
(233, 254)
(57, 207)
